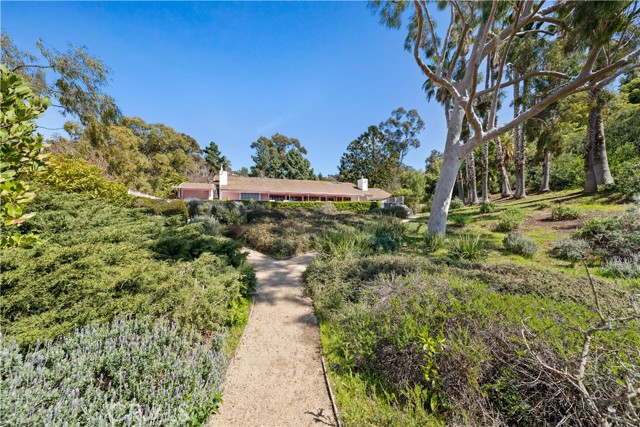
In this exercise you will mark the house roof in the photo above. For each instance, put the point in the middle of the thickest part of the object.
(293, 186)
(197, 185)
(272, 185)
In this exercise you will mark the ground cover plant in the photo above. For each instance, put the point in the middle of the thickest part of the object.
(99, 375)
(181, 288)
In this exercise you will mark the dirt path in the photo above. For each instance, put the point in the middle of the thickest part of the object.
(276, 378)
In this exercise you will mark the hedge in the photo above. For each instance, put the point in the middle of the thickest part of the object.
(340, 206)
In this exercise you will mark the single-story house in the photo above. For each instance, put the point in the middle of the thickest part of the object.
(228, 186)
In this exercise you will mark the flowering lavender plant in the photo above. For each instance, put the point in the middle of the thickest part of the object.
(130, 372)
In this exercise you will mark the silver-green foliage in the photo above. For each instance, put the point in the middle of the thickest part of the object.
(131, 372)
(624, 267)
(520, 244)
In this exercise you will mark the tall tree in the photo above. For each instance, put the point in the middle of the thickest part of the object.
(280, 157)
(402, 129)
(476, 29)
(373, 156)
(214, 158)
(74, 80)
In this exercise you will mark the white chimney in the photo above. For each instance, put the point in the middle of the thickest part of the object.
(363, 184)
(223, 177)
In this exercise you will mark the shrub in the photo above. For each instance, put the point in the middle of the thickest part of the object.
(467, 246)
(386, 234)
(75, 175)
(510, 220)
(197, 207)
(396, 211)
(459, 220)
(571, 249)
(340, 206)
(326, 208)
(162, 207)
(520, 244)
(628, 177)
(628, 268)
(98, 260)
(258, 214)
(133, 371)
(617, 236)
(433, 242)
(210, 225)
(230, 213)
(344, 242)
(543, 205)
(565, 212)
(487, 208)
(456, 203)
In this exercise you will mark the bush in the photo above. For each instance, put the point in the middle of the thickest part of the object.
(326, 208)
(520, 244)
(343, 242)
(396, 211)
(543, 205)
(98, 260)
(75, 175)
(230, 213)
(162, 207)
(510, 220)
(340, 206)
(628, 177)
(564, 213)
(628, 268)
(459, 220)
(571, 249)
(617, 236)
(456, 203)
(487, 208)
(467, 246)
(258, 214)
(433, 242)
(129, 372)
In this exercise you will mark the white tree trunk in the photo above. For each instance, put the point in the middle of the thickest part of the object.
(520, 144)
(505, 187)
(472, 185)
(448, 172)
(485, 173)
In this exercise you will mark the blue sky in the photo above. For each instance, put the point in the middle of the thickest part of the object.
(230, 72)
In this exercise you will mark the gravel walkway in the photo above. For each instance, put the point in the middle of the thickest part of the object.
(276, 377)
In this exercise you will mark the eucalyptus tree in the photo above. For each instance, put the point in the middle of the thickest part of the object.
(74, 80)
(452, 60)
(214, 158)
(280, 157)
(402, 129)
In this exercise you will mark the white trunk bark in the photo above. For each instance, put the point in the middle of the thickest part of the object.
(449, 170)
(485, 173)
(472, 185)
(544, 185)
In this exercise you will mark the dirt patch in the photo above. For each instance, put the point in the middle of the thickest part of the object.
(276, 377)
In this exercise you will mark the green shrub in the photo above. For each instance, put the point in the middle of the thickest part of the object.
(75, 175)
(97, 260)
(628, 268)
(133, 371)
(510, 220)
(487, 208)
(467, 246)
(617, 236)
(257, 214)
(628, 177)
(340, 206)
(230, 213)
(395, 211)
(565, 212)
(326, 208)
(456, 203)
(162, 207)
(573, 250)
(434, 242)
(459, 220)
(520, 244)
(543, 205)
(343, 242)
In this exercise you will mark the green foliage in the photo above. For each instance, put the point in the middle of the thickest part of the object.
(396, 212)
(628, 177)
(520, 244)
(402, 129)
(75, 175)
(340, 206)
(99, 375)
(280, 157)
(97, 260)
(459, 220)
(373, 156)
(432, 172)
(466, 247)
(456, 203)
(230, 213)
(386, 234)
(434, 242)
(573, 250)
(163, 207)
(21, 155)
(617, 236)
(343, 242)
(486, 208)
(214, 158)
(628, 268)
(564, 213)
(510, 220)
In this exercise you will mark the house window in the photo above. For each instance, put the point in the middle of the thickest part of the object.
(295, 198)
(249, 196)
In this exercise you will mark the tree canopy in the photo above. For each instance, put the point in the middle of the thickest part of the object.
(280, 157)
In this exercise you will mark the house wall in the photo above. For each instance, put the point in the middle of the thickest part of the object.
(187, 193)
(230, 195)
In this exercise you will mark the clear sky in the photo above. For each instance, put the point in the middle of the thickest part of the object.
(232, 71)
